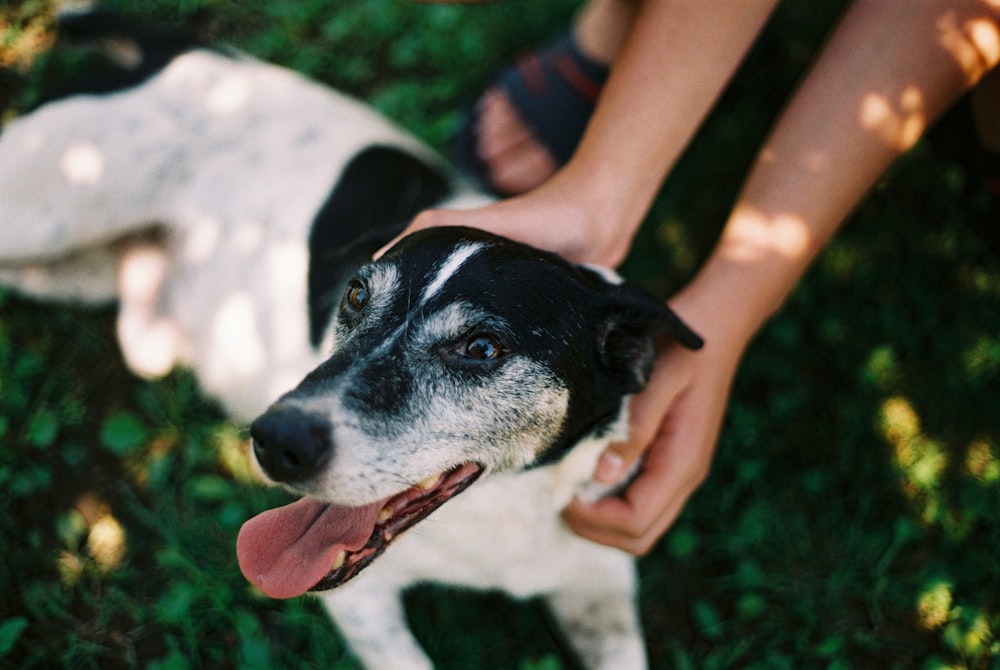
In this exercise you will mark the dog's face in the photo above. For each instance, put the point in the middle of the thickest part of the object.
(456, 353)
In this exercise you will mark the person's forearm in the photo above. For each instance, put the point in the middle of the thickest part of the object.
(676, 60)
(890, 69)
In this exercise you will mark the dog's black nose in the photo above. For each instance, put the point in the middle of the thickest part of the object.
(290, 444)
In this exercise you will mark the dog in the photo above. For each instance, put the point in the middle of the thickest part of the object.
(231, 208)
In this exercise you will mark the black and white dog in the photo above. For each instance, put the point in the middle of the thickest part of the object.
(231, 207)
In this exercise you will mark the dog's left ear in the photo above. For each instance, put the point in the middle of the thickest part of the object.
(630, 323)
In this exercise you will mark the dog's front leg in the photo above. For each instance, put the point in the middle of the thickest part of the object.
(371, 619)
(602, 626)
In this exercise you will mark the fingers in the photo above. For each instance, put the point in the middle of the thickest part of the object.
(547, 217)
(637, 520)
(636, 543)
(429, 218)
(503, 218)
(678, 416)
(674, 467)
(516, 161)
(646, 414)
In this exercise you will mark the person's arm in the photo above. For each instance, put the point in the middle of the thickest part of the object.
(888, 71)
(676, 59)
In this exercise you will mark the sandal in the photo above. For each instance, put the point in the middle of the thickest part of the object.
(554, 91)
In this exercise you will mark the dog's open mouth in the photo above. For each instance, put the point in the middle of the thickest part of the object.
(311, 545)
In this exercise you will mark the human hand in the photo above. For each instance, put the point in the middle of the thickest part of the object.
(563, 216)
(675, 422)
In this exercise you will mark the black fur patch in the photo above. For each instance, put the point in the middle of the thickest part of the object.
(377, 195)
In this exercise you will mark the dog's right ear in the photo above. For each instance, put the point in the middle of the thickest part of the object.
(631, 321)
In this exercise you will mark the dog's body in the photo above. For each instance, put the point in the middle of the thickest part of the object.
(525, 551)
(225, 204)
(239, 163)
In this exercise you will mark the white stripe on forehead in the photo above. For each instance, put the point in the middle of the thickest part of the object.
(449, 268)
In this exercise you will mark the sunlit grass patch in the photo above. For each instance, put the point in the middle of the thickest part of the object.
(934, 605)
(930, 476)
(982, 359)
(982, 462)
(25, 32)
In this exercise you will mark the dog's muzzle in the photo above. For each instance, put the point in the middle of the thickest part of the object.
(291, 445)
(312, 544)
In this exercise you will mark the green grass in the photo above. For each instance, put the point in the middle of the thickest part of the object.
(852, 517)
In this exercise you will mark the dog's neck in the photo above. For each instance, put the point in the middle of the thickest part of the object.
(572, 476)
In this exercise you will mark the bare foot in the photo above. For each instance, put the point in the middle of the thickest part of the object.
(516, 161)
(519, 156)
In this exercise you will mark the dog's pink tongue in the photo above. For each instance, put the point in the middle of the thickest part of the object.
(285, 551)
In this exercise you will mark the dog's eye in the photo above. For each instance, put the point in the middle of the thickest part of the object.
(482, 348)
(357, 295)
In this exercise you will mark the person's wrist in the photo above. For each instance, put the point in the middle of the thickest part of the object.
(607, 217)
(715, 308)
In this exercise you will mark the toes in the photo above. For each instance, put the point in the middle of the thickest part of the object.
(500, 127)
(516, 161)
(525, 167)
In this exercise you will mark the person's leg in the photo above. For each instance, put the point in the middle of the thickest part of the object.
(515, 157)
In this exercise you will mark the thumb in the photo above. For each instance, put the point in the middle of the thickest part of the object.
(613, 465)
(647, 412)
(618, 461)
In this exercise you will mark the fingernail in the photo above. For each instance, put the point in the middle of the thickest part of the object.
(610, 468)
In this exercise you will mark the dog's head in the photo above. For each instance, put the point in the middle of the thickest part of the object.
(456, 353)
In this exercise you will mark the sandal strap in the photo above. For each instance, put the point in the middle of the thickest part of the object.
(554, 92)
(576, 69)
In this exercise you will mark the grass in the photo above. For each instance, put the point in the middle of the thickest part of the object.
(851, 517)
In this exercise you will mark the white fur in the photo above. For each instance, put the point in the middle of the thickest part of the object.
(448, 269)
(524, 550)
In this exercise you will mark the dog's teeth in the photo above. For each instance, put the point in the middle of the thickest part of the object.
(384, 515)
(430, 482)
(338, 562)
